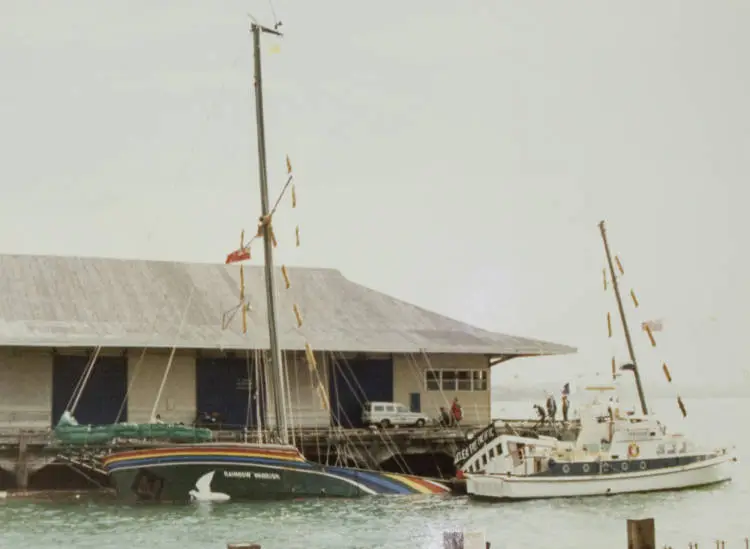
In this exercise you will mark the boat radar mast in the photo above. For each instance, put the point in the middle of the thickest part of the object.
(633, 365)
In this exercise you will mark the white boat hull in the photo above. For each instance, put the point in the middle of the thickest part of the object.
(504, 487)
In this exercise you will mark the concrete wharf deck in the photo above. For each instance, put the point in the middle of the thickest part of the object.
(429, 451)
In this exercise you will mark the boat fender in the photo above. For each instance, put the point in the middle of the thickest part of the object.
(633, 450)
(643, 465)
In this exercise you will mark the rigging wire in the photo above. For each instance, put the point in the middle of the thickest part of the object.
(138, 365)
(385, 437)
(172, 353)
(276, 22)
(85, 380)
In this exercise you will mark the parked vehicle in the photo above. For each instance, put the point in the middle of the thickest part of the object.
(391, 414)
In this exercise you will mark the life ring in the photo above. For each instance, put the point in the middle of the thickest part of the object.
(633, 450)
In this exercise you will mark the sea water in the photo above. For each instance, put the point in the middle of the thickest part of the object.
(701, 515)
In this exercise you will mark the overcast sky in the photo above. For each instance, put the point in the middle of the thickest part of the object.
(457, 155)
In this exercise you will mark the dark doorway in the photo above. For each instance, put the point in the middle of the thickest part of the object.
(356, 381)
(415, 402)
(227, 386)
(103, 395)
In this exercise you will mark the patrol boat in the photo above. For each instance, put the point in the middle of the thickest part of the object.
(614, 453)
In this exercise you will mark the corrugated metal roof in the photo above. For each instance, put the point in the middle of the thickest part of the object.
(74, 301)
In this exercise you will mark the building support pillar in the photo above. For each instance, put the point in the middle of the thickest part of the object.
(22, 464)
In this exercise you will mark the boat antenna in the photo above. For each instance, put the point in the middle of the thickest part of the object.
(628, 339)
(277, 383)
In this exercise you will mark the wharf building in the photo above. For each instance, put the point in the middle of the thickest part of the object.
(54, 311)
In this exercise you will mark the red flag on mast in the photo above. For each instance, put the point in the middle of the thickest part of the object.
(240, 254)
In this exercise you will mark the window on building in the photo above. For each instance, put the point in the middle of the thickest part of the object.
(449, 380)
(479, 380)
(464, 380)
(432, 380)
(456, 380)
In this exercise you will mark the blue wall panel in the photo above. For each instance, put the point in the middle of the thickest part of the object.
(103, 395)
(355, 381)
(227, 386)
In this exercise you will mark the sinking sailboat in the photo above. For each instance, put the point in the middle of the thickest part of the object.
(251, 471)
(614, 453)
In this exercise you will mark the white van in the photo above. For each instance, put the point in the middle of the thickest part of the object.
(391, 414)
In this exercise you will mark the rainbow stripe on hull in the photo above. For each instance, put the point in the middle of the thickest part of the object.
(247, 472)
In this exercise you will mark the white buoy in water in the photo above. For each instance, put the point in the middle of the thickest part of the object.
(3, 494)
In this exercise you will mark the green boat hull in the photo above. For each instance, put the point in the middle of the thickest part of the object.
(237, 472)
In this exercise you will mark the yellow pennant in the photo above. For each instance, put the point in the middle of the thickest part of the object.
(298, 316)
(619, 265)
(666, 372)
(285, 273)
(635, 299)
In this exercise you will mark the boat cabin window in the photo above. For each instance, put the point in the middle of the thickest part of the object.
(378, 408)
(484, 459)
(499, 448)
(516, 450)
(491, 453)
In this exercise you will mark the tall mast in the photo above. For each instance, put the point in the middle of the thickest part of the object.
(629, 341)
(277, 378)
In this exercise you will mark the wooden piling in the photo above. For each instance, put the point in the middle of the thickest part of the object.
(641, 534)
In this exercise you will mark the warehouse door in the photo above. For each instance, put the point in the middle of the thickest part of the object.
(104, 394)
(356, 381)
